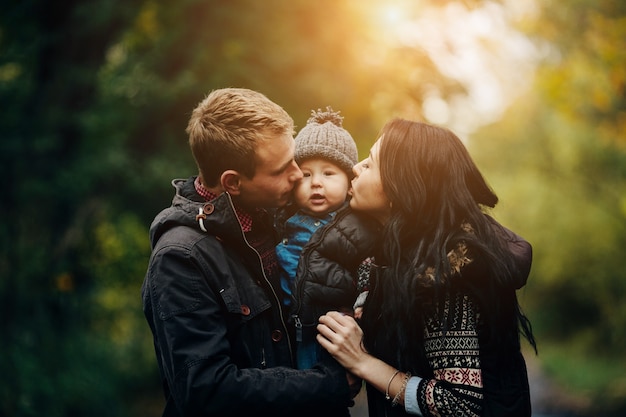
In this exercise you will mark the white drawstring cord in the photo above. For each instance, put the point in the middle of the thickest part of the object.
(201, 216)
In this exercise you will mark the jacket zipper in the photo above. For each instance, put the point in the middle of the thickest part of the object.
(269, 284)
(298, 328)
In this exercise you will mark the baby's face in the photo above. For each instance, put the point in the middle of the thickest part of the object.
(323, 187)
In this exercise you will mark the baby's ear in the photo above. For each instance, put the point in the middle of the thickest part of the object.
(230, 181)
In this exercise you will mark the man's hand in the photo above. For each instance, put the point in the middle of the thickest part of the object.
(355, 384)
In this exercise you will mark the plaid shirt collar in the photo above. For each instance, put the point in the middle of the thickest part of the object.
(244, 217)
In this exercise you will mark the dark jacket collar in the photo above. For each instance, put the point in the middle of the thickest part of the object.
(189, 209)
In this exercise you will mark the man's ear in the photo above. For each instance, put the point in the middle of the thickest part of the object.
(230, 181)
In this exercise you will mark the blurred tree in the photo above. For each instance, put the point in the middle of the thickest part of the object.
(302, 54)
(95, 96)
(51, 172)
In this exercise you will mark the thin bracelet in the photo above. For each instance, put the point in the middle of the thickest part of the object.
(387, 397)
(396, 399)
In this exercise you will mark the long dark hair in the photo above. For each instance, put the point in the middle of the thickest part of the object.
(434, 188)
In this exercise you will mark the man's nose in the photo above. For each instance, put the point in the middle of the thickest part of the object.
(297, 173)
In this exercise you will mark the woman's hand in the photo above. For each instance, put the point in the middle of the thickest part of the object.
(342, 337)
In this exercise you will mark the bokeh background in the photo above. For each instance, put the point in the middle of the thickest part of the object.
(95, 97)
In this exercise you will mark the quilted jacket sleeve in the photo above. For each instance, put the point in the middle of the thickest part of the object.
(327, 272)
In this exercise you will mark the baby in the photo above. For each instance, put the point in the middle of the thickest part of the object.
(324, 242)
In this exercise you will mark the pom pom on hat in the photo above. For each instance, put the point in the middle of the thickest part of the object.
(324, 137)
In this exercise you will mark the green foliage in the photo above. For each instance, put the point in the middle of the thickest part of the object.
(86, 349)
(597, 379)
(558, 161)
(96, 96)
(53, 167)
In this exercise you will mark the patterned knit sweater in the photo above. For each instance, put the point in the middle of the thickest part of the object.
(476, 371)
(453, 355)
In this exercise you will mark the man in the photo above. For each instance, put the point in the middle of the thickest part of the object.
(211, 294)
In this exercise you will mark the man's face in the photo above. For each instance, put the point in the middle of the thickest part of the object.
(275, 176)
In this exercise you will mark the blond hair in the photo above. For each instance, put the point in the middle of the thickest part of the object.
(224, 129)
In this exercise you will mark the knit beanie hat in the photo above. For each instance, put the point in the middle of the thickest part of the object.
(324, 137)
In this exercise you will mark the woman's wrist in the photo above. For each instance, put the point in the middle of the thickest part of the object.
(365, 363)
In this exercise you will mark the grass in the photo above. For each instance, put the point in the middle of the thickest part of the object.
(597, 376)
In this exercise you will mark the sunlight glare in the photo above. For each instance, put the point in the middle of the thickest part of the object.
(436, 110)
(392, 14)
(396, 14)
(478, 47)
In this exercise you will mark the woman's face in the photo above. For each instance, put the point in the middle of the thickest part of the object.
(367, 188)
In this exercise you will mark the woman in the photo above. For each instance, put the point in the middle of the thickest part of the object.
(441, 324)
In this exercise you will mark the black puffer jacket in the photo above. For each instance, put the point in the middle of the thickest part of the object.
(219, 334)
(326, 274)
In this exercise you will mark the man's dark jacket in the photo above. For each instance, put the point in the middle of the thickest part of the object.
(220, 337)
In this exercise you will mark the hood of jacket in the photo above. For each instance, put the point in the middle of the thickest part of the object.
(216, 217)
